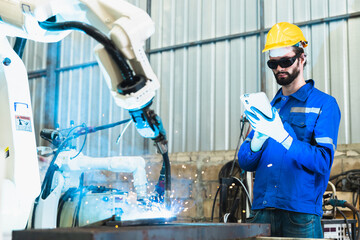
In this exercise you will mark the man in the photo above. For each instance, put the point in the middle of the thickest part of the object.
(293, 151)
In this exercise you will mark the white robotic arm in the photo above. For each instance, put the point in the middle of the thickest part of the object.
(127, 26)
(122, 29)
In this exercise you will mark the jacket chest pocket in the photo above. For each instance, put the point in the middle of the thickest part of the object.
(303, 125)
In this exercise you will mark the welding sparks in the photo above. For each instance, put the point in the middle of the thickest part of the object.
(151, 211)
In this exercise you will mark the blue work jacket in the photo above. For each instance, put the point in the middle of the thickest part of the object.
(296, 179)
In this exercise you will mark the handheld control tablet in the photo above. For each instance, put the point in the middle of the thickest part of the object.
(258, 100)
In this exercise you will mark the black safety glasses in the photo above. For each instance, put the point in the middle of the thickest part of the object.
(283, 62)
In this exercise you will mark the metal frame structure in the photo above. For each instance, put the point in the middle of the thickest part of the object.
(53, 68)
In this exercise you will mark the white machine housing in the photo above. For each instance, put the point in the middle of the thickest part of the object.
(21, 183)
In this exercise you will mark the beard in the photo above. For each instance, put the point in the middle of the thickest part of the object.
(289, 78)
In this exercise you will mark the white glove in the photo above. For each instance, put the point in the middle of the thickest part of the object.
(272, 127)
(257, 141)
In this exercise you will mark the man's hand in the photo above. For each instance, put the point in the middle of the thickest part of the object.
(272, 127)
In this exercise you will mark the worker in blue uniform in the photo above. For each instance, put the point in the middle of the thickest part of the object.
(292, 152)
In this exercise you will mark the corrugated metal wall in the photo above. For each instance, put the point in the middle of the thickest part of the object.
(34, 58)
(84, 98)
(217, 46)
(202, 81)
(206, 53)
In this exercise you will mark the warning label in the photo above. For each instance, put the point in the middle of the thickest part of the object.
(23, 123)
(7, 152)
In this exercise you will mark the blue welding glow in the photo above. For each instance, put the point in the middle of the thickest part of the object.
(151, 210)
(124, 206)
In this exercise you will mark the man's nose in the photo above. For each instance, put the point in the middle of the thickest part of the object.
(279, 68)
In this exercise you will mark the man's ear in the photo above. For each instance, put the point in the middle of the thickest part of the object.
(303, 58)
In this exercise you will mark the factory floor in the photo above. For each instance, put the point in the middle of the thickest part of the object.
(282, 238)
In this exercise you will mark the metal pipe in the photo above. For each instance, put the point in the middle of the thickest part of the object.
(262, 43)
(52, 86)
(43, 73)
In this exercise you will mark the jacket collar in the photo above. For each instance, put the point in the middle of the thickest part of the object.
(301, 94)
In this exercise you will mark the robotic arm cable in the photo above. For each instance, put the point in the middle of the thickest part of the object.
(113, 51)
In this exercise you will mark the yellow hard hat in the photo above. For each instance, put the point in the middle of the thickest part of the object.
(284, 34)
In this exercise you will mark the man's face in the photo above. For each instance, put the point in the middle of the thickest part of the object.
(286, 75)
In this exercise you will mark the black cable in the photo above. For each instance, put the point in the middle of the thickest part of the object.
(81, 187)
(19, 46)
(86, 130)
(164, 182)
(236, 201)
(225, 173)
(242, 184)
(110, 47)
(46, 185)
(213, 206)
(234, 206)
(346, 222)
(357, 235)
(355, 212)
(348, 181)
(343, 173)
(167, 173)
(63, 199)
(242, 125)
(33, 212)
(353, 178)
(358, 228)
(82, 147)
(245, 187)
(355, 197)
(48, 179)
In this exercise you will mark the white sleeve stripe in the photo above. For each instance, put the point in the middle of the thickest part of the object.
(305, 110)
(326, 140)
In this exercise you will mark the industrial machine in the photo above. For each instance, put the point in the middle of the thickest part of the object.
(234, 190)
(121, 29)
(342, 227)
